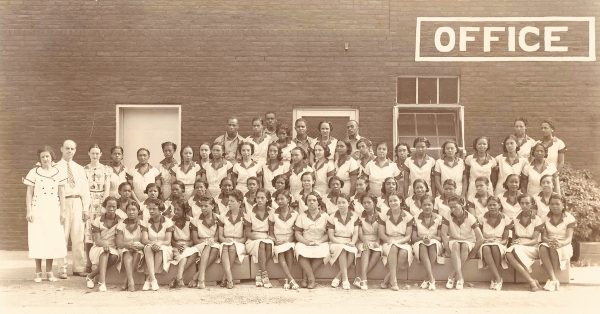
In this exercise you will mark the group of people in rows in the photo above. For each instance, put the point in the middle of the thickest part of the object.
(306, 201)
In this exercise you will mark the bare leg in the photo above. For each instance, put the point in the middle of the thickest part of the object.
(392, 265)
(364, 263)
(547, 261)
(306, 267)
(343, 263)
(489, 260)
(38, 265)
(455, 255)
(102, 264)
(424, 257)
(555, 261)
(149, 257)
(464, 254)
(514, 261)
(128, 264)
(283, 262)
(48, 265)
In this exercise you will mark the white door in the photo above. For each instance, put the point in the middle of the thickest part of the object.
(147, 126)
(337, 116)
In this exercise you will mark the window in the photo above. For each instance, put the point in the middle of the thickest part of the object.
(428, 107)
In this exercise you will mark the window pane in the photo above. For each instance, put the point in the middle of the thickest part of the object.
(406, 93)
(406, 124)
(427, 90)
(448, 90)
(406, 139)
(426, 125)
(446, 124)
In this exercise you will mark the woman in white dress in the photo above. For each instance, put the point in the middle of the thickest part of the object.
(342, 228)
(510, 198)
(380, 168)
(274, 166)
(165, 166)
(420, 165)
(536, 169)
(542, 199)
(298, 166)
(509, 162)
(480, 164)
(118, 174)
(246, 168)
(555, 146)
(205, 236)
(129, 237)
(187, 172)
(156, 236)
(325, 138)
(259, 244)
(45, 203)
(346, 167)
(494, 228)
(426, 238)
(281, 228)
(204, 154)
(284, 141)
(524, 142)
(184, 251)
(324, 168)
(450, 166)
(231, 235)
(260, 140)
(217, 169)
(143, 174)
(369, 247)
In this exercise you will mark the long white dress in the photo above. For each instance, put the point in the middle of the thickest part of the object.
(45, 235)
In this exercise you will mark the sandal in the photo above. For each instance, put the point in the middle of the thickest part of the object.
(265, 280)
(357, 282)
(50, 277)
(229, 284)
(395, 287)
(294, 285)
(335, 282)
(193, 283)
(38, 277)
(258, 279)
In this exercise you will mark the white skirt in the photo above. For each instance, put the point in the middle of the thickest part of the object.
(564, 254)
(481, 263)
(282, 248)
(371, 245)
(240, 250)
(527, 254)
(335, 249)
(96, 251)
(312, 251)
(139, 267)
(438, 249)
(386, 247)
(252, 248)
(470, 245)
(187, 252)
(167, 255)
(200, 248)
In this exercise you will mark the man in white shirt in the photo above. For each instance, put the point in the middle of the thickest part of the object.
(77, 201)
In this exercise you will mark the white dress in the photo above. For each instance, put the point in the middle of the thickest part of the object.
(244, 172)
(141, 180)
(505, 169)
(377, 174)
(215, 175)
(160, 238)
(188, 178)
(479, 170)
(261, 147)
(533, 176)
(559, 232)
(431, 230)
(322, 173)
(370, 231)
(344, 231)
(166, 175)
(396, 230)
(312, 230)
(109, 235)
(45, 235)
(543, 207)
(283, 230)
(269, 174)
(454, 172)
(233, 229)
(525, 147)
(462, 230)
(130, 237)
(296, 180)
(422, 172)
(509, 209)
(116, 178)
(494, 232)
(259, 228)
(206, 230)
(558, 146)
(344, 171)
(527, 254)
(183, 237)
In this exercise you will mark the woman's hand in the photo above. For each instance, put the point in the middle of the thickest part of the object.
(137, 246)
(210, 241)
(351, 244)
(313, 243)
(515, 241)
(426, 240)
(155, 247)
(29, 217)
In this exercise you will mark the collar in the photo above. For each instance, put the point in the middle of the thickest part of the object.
(128, 221)
(315, 218)
(329, 141)
(338, 216)
(237, 137)
(498, 216)
(162, 219)
(293, 169)
(562, 218)
(459, 220)
(337, 162)
(373, 217)
(425, 160)
(307, 140)
(453, 164)
(229, 216)
(252, 164)
(432, 222)
(138, 166)
(203, 218)
(385, 164)
(281, 217)
(183, 219)
(400, 217)
(191, 166)
(356, 138)
(488, 158)
(118, 170)
(520, 216)
(222, 162)
(103, 217)
(168, 165)
(262, 137)
(254, 210)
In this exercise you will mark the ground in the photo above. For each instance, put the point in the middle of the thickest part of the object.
(19, 294)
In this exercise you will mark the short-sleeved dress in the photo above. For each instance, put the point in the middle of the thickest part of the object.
(524, 229)
(505, 169)
(269, 174)
(479, 170)
(345, 170)
(331, 143)
(558, 146)
(144, 210)
(107, 234)
(207, 228)
(543, 206)
(343, 229)
(419, 172)
(525, 147)
(188, 177)
(259, 227)
(492, 228)
(441, 208)
(116, 178)
(283, 230)
(413, 208)
(478, 207)
(559, 232)
(395, 230)
(286, 151)
(141, 180)
(330, 204)
(462, 230)
(129, 238)
(299, 198)
(534, 176)
(233, 229)
(45, 235)
(166, 173)
(96, 177)
(215, 175)
(510, 210)
(312, 229)
(160, 237)
(183, 236)
(322, 172)
(432, 229)
(261, 148)
(454, 171)
(369, 224)
(377, 174)
(244, 172)
(295, 178)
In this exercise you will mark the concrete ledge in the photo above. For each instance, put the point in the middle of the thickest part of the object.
(471, 272)
(538, 272)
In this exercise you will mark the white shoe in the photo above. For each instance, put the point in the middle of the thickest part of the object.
(492, 285)
(146, 286)
(549, 286)
(498, 286)
(450, 283)
(38, 277)
(357, 282)
(102, 287)
(424, 284)
(460, 284)
(335, 282)
(431, 286)
(89, 282)
(154, 284)
(346, 285)
(364, 285)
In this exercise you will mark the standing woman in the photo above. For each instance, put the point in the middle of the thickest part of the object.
(143, 174)
(246, 168)
(298, 166)
(536, 169)
(524, 142)
(311, 236)
(129, 243)
(342, 228)
(380, 168)
(204, 153)
(165, 167)
(45, 201)
(118, 174)
(273, 167)
(260, 140)
(324, 168)
(556, 249)
(510, 162)
(480, 164)
(365, 153)
(156, 236)
(325, 138)
(402, 152)
(98, 176)
(556, 147)
(395, 232)
(346, 167)
(450, 166)
(186, 172)
(217, 169)
(284, 141)
(420, 164)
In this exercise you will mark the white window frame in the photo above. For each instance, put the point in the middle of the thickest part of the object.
(351, 113)
(119, 116)
(456, 106)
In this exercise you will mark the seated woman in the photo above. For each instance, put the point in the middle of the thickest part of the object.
(311, 247)
(342, 228)
(369, 248)
(259, 244)
(206, 239)
(129, 243)
(104, 251)
(231, 235)
(494, 228)
(420, 188)
(395, 232)
(527, 227)
(427, 239)
(184, 252)
(556, 249)
(281, 228)
(156, 236)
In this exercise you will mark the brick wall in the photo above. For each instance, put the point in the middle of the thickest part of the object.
(65, 64)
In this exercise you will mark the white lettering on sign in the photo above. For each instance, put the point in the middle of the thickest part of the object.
(499, 39)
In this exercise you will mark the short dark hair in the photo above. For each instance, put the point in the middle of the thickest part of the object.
(48, 149)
